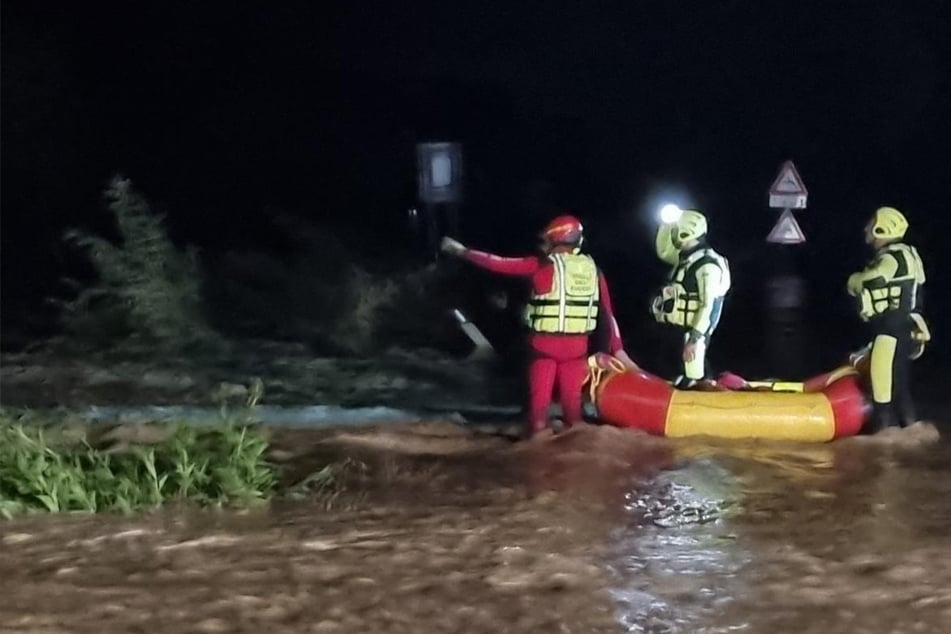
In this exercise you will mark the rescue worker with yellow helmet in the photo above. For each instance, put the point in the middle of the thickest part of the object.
(888, 294)
(692, 300)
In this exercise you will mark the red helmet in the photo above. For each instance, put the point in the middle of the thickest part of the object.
(564, 230)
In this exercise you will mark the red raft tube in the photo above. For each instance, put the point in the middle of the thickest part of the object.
(823, 408)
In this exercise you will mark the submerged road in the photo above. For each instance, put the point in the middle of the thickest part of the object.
(436, 528)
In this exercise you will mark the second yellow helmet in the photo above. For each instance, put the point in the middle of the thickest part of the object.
(692, 225)
(889, 224)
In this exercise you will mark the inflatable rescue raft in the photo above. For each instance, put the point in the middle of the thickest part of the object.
(821, 409)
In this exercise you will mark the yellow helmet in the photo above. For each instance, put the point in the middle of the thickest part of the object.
(889, 224)
(692, 225)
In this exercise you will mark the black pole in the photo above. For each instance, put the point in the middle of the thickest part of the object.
(785, 294)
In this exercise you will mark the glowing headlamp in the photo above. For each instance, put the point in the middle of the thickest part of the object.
(670, 213)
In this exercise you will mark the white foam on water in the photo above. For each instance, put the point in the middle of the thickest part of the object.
(309, 416)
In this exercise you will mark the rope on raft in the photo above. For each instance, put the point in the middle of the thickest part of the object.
(596, 372)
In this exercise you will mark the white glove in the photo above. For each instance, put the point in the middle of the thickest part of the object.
(452, 247)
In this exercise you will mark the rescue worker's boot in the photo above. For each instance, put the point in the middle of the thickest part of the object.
(683, 383)
(882, 418)
(907, 416)
(532, 429)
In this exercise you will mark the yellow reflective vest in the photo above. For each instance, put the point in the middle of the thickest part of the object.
(698, 281)
(890, 282)
(571, 306)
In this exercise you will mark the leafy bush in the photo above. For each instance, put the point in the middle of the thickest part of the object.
(316, 290)
(146, 288)
(367, 297)
(43, 471)
(320, 293)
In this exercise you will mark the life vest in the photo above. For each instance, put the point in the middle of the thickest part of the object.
(900, 293)
(679, 301)
(571, 306)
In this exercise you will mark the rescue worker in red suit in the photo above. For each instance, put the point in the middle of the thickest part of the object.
(569, 297)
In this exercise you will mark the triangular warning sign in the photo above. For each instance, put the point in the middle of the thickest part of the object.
(788, 181)
(786, 230)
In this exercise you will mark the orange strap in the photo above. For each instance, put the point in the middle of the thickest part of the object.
(596, 373)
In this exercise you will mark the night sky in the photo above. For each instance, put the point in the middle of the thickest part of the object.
(223, 113)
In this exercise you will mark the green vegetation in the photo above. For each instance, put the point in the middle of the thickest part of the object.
(148, 294)
(44, 469)
(328, 485)
(147, 290)
(60, 464)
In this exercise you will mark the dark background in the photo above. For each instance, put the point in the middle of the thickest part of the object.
(223, 113)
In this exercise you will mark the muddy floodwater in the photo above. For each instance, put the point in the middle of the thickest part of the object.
(434, 528)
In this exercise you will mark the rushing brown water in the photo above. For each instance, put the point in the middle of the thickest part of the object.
(594, 530)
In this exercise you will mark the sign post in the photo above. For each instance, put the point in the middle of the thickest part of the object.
(439, 179)
(786, 289)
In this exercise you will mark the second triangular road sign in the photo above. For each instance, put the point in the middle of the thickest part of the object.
(786, 230)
